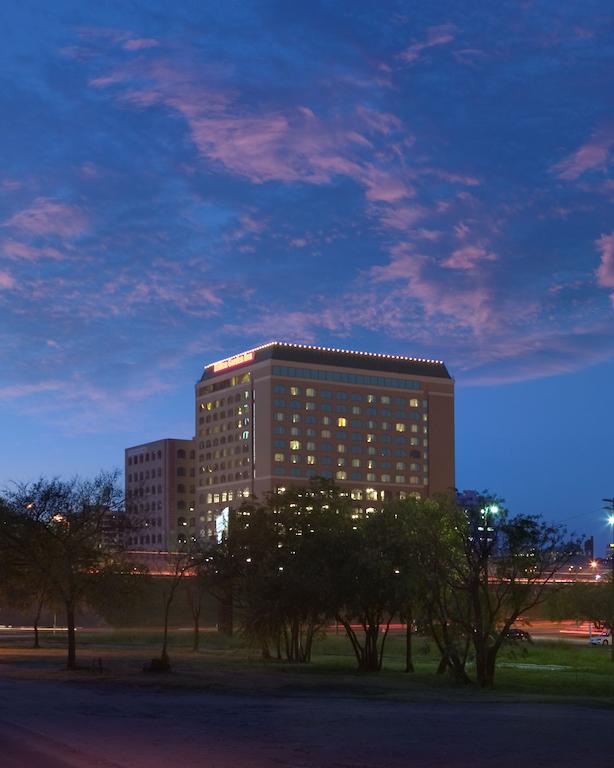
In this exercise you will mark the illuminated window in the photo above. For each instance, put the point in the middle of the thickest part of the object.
(371, 493)
(385, 399)
(295, 431)
(311, 446)
(385, 425)
(294, 391)
(294, 445)
(413, 402)
(356, 494)
(355, 462)
(296, 418)
(279, 457)
(356, 410)
(325, 433)
(294, 458)
(414, 441)
(371, 398)
(341, 475)
(399, 465)
(342, 422)
(371, 450)
(278, 416)
(310, 406)
(399, 479)
(413, 480)
(386, 478)
(311, 459)
(414, 427)
(341, 462)
(341, 448)
(370, 438)
(326, 420)
(370, 464)
(310, 392)
(400, 427)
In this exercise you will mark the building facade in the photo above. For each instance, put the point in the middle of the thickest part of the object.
(160, 494)
(380, 426)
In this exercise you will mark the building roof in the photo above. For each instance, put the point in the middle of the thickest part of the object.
(345, 358)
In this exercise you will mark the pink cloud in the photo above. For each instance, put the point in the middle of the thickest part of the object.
(605, 272)
(140, 43)
(6, 281)
(468, 257)
(47, 216)
(13, 249)
(465, 303)
(440, 35)
(379, 122)
(26, 390)
(593, 155)
(298, 242)
(400, 217)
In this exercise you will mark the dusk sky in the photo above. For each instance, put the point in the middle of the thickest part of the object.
(182, 181)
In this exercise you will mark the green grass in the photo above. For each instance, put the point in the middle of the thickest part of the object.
(541, 671)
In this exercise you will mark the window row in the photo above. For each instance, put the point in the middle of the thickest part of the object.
(346, 378)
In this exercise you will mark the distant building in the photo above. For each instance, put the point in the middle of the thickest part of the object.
(159, 489)
(380, 426)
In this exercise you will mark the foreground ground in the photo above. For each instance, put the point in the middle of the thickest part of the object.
(224, 708)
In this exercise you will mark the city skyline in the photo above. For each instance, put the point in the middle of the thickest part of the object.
(178, 186)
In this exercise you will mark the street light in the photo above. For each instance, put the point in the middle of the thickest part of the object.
(610, 508)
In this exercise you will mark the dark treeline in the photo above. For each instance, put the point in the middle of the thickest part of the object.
(289, 566)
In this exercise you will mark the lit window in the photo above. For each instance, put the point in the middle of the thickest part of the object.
(341, 462)
(311, 459)
(326, 420)
(386, 478)
(310, 406)
(414, 441)
(356, 410)
(325, 433)
(385, 399)
(385, 425)
(278, 416)
(371, 398)
(355, 462)
(341, 448)
(294, 458)
(310, 392)
(370, 438)
(296, 418)
(413, 480)
(279, 457)
(400, 465)
(400, 427)
(414, 427)
(294, 445)
(342, 422)
(295, 431)
(399, 479)
(294, 391)
(341, 475)
(413, 402)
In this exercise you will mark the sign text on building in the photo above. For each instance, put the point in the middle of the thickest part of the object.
(230, 362)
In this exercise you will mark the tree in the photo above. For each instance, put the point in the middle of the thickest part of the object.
(279, 555)
(64, 533)
(508, 564)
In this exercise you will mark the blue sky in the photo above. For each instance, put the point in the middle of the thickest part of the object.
(182, 181)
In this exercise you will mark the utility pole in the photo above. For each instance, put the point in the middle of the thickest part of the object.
(610, 509)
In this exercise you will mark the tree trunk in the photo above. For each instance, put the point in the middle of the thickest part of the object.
(39, 610)
(409, 664)
(196, 635)
(167, 610)
(71, 661)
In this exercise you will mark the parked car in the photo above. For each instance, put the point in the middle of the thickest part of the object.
(518, 634)
(603, 637)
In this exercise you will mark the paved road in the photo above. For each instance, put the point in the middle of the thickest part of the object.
(61, 725)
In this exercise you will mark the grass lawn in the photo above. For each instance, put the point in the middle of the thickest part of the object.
(546, 671)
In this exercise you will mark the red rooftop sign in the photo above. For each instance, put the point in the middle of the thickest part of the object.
(231, 362)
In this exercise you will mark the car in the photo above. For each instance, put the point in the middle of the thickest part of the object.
(603, 637)
(518, 634)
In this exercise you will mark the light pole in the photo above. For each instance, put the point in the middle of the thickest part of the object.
(610, 509)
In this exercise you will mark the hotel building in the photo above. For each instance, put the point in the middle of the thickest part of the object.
(159, 490)
(380, 426)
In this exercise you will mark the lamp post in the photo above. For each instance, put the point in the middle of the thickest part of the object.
(610, 509)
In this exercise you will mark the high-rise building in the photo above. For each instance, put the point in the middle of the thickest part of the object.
(159, 489)
(380, 426)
